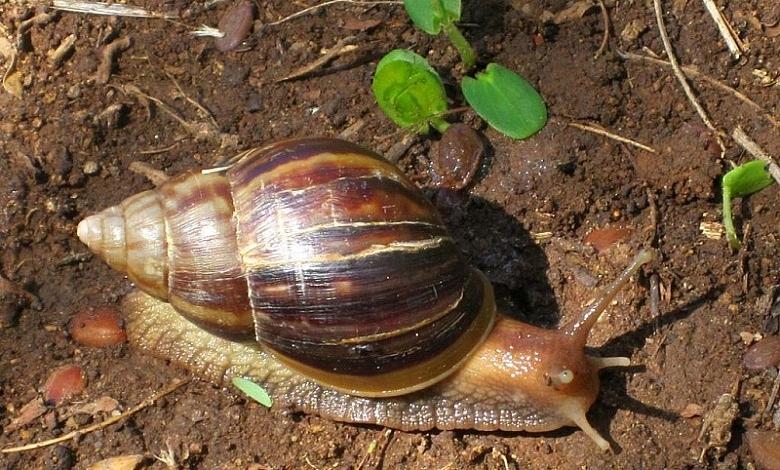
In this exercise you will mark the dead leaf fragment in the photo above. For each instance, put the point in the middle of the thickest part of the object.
(122, 462)
(103, 404)
(574, 12)
(692, 410)
(29, 412)
(632, 30)
(12, 83)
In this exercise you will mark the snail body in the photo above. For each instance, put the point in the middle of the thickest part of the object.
(315, 268)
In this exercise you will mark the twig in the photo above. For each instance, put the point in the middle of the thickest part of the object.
(109, 9)
(605, 133)
(692, 72)
(754, 149)
(773, 395)
(725, 29)
(58, 55)
(105, 423)
(342, 47)
(681, 77)
(157, 177)
(104, 70)
(605, 38)
(331, 2)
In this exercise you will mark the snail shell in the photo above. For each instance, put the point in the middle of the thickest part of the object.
(320, 250)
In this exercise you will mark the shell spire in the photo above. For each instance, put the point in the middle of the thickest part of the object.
(104, 234)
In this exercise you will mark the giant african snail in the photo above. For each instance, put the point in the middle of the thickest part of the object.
(315, 268)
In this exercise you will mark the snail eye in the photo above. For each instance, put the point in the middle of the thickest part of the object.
(566, 376)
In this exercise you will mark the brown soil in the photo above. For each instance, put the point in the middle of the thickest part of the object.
(523, 222)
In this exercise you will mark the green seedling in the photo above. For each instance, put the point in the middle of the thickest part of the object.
(253, 391)
(410, 91)
(506, 101)
(435, 16)
(742, 181)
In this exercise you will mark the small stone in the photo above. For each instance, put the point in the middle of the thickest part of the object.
(91, 168)
(73, 92)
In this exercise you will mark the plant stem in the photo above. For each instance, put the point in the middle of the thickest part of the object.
(461, 44)
(439, 124)
(728, 222)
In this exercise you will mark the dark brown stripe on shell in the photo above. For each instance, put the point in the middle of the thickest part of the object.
(266, 159)
(387, 354)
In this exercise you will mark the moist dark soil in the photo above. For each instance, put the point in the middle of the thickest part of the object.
(533, 220)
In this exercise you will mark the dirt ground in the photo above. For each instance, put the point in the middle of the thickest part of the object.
(68, 140)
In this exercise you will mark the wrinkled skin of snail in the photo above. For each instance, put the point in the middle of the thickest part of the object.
(317, 269)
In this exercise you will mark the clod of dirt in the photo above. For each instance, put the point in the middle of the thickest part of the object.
(97, 328)
(602, 238)
(65, 382)
(236, 23)
(13, 300)
(765, 447)
(763, 354)
(717, 424)
(457, 158)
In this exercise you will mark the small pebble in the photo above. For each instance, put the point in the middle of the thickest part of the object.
(91, 168)
(65, 382)
(236, 23)
(97, 328)
(763, 354)
(603, 238)
(457, 159)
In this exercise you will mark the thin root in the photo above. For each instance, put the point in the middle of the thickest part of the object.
(344, 46)
(605, 38)
(331, 2)
(681, 76)
(157, 177)
(605, 133)
(692, 72)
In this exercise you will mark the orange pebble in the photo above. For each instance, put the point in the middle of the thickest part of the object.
(603, 238)
(64, 383)
(97, 328)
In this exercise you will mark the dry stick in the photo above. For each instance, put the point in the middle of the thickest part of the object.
(110, 9)
(192, 101)
(331, 2)
(692, 72)
(726, 31)
(342, 47)
(605, 38)
(772, 396)
(605, 133)
(104, 69)
(754, 149)
(681, 77)
(155, 176)
(96, 427)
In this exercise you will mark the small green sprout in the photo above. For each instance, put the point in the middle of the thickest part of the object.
(742, 181)
(506, 101)
(433, 16)
(253, 391)
(410, 91)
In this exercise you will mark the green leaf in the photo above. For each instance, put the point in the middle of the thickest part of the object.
(506, 101)
(253, 391)
(409, 91)
(742, 181)
(431, 15)
(747, 179)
